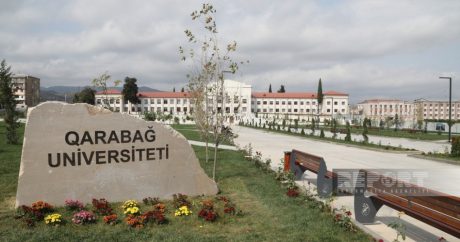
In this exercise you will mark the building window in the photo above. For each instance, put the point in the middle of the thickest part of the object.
(244, 100)
(307, 103)
(295, 110)
(328, 111)
(308, 110)
(265, 110)
(171, 101)
(289, 102)
(289, 110)
(244, 109)
(343, 103)
(158, 109)
(277, 102)
(264, 102)
(258, 102)
(258, 110)
(283, 102)
(282, 110)
(335, 110)
(336, 103)
(343, 110)
(178, 109)
(301, 103)
(277, 110)
(271, 110)
(117, 102)
(295, 102)
(165, 101)
(328, 102)
(146, 101)
(271, 102)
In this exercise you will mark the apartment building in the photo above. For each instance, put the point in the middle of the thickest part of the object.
(436, 110)
(299, 105)
(381, 109)
(26, 90)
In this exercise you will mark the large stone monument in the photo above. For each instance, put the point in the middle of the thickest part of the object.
(78, 151)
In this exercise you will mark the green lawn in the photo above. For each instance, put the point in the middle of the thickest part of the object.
(403, 134)
(268, 214)
(192, 133)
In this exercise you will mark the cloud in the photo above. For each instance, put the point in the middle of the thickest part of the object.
(366, 48)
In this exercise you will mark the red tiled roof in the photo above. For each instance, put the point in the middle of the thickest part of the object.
(294, 94)
(164, 94)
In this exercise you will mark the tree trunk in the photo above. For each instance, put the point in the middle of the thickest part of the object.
(215, 161)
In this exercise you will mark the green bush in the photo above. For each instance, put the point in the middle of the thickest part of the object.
(455, 149)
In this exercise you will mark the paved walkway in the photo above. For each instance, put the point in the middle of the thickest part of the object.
(272, 146)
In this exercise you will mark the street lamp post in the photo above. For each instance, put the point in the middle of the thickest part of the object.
(450, 103)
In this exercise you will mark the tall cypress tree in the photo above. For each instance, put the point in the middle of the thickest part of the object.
(320, 95)
(130, 90)
(8, 101)
(270, 88)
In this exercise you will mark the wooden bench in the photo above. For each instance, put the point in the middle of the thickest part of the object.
(298, 162)
(437, 209)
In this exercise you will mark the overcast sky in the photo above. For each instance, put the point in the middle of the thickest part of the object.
(369, 49)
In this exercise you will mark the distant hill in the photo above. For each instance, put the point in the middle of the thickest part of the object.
(58, 93)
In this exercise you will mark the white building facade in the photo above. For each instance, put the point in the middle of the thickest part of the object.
(300, 105)
(238, 103)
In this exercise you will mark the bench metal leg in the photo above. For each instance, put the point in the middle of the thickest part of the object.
(295, 169)
(324, 184)
(366, 208)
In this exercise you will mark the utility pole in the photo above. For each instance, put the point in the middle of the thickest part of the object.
(450, 103)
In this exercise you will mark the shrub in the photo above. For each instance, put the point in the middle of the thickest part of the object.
(151, 201)
(42, 207)
(74, 205)
(321, 134)
(455, 149)
(83, 217)
(111, 219)
(54, 219)
(101, 206)
(180, 200)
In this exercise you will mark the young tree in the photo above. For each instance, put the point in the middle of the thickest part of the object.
(365, 131)
(8, 102)
(313, 126)
(130, 91)
(100, 83)
(270, 88)
(319, 97)
(206, 82)
(321, 134)
(396, 122)
(182, 90)
(174, 89)
(348, 136)
(334, 128)
(87, 95)
(282, 89)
